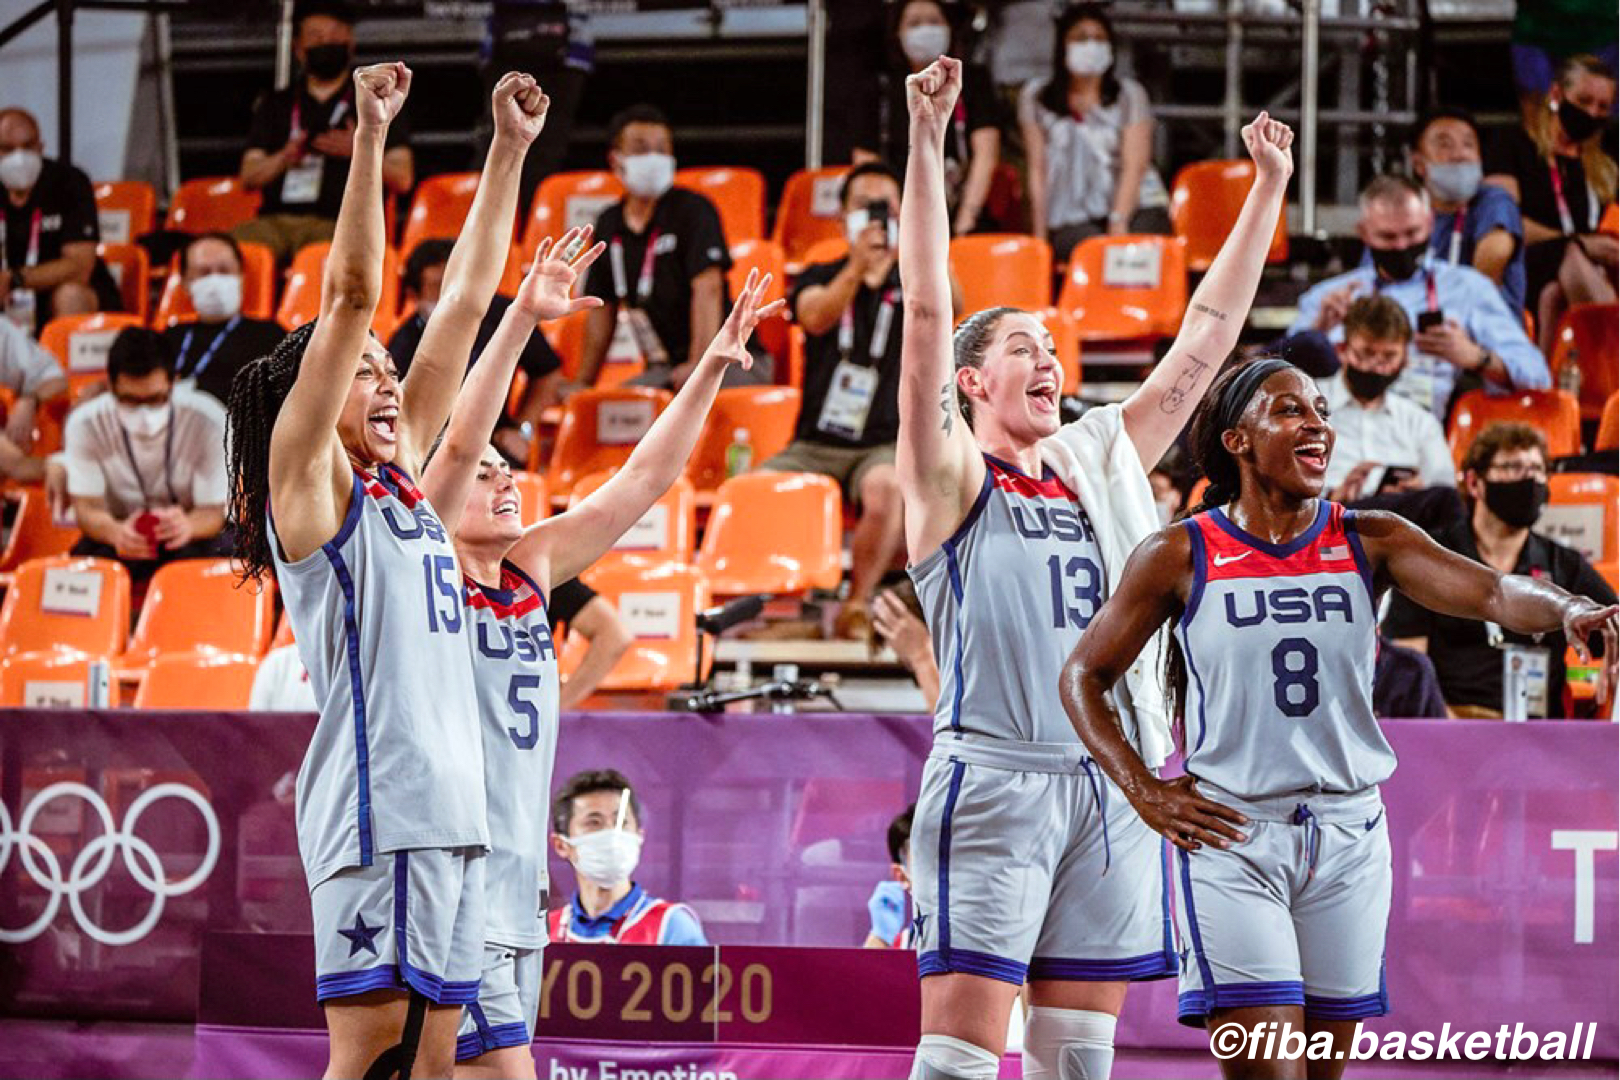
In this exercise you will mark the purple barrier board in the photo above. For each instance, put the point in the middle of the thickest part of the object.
(126, 837)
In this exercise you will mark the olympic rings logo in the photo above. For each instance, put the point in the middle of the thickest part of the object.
(139, 856)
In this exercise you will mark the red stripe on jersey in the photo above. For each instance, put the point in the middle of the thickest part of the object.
(1227, 557)
(391, 482)
(524, 599)
(1028, 486)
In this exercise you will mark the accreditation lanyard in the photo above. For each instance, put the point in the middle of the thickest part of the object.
(1566, 219)
(1459, 222)
(31, 257)
(168, 460)
(1430, 292)
(208, 354)
(881, 327)
(644, 281)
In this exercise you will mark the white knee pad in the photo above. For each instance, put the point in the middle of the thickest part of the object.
(940, 1057)
(1068, 1044)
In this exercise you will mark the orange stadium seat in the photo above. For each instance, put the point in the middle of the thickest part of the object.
(63, 604)
(302, 300)
(1066, 339)
(1582, 513)
(131, 270)
(34, 532)
(567, 199)
(998, 269)
(599, 428)
(658, 602)
(438, 209)
(533, 496)
(1205, 200)
(1125, 288)
(211, 204)
(1610, 572)
(1608, 432)
(1611, 220)
(125, 209)
(738, 195)
(197, 681)
(767, 413)
(258, 288)
(766, 257)
(827, 250)
(668, 530)
(746, 549)
(1589, 340)
(1554, 412)
(809, 211)
(81, 342)
(567, 338)
(196, 605)
(46, 680)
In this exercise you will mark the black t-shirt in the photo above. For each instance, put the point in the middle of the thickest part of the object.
(889, 131)
(689, 241)
(272, 126)
(1470, 669)
(567, 601)
(1514, 154)
(212, 353)
(537, 359)
(822, 354)
(66, 208)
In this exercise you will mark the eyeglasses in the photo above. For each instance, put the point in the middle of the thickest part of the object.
(1518, 471)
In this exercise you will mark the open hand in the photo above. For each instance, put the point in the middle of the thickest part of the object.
(1187, 819)
(730, 345)
(1335, 304)
(1268, 141)
(520, 107)
(547, 289)
(379, 93)
(931, 93)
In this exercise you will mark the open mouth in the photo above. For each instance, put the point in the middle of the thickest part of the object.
(1314, 454)
(506, 508)
(1044, 394)
(384, 422)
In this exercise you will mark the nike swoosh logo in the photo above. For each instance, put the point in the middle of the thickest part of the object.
(1223, 560)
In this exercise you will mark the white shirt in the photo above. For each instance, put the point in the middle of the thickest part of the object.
(24, 365)
(1393, 431)
(281, 684)
(148, 471)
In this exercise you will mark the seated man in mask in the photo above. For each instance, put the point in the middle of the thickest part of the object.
(596, 825)
(221, 341)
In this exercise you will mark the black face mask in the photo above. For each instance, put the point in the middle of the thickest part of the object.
(1398, 264)
(327, 61)
(1367, 385)
(1517, 502)
(1577, 123)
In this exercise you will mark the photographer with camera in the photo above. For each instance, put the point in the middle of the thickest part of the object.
(851, 313)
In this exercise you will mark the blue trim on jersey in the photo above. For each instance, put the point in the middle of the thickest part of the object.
(957, 769)
(973, 963)
(545, 607)
(1353, 535)
(1165, 848)
(1205, 972)
(954, 568)
(435, 988)
(1195, 592)
(1356, 1008)
(357, 688)
(1198, 680)
(1194, 1005)
(500, 1037)
(1148, 966)
(349, 983)
(351, 517)
(1046, 470)
(1276, 551)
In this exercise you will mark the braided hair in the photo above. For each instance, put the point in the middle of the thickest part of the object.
(969, 344)
(257, 392)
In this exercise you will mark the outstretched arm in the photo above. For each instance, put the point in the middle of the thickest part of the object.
(940, 469)
(1162, 405)
(546, 293)
(473, 272)
(1150, 591)
(560, 548)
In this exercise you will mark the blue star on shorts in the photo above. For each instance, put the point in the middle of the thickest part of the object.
(360, 936)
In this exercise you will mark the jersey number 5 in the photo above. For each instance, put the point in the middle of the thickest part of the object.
(526, 709)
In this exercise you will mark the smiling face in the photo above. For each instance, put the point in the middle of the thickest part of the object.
(1284, 436)
(493, 514)
(369, 422)
(1014, 390)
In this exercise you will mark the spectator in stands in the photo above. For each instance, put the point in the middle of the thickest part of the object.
(1088, 132)
(1547, 32)
(424, 276)
(49, 231)
(918, 33)
(1475, 224)
(146, 462)
(1464, 326)
(1505, 484)
(577, 606)
(1555, 168)
(33, 376)
(302, 138)
(663, 282)
(891, 922)
(897, 621)
(1167, 494)
(596, 824)
(210, 351)
(282, 684)
(1389, 453)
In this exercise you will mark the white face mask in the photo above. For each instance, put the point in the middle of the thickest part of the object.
(648, 175)
(20, 168)
(1088, 57)
(607, 857)
(856, 221)
(144, 421)
(925, 43)
(216, 296)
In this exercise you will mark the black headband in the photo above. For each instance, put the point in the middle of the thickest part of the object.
(1238, 393)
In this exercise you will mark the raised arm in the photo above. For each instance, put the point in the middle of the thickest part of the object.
(473, 272)
(560, 548)
(546, 293)
(1157, 411)
(1150, 591)
(940, 469)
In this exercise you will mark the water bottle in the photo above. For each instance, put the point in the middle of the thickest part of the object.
(740, 454)
(1569, 376)
(20, 309)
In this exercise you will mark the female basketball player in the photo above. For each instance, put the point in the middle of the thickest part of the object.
(1027, 867)
(1285, 858)
(508, 573)
(323, 442)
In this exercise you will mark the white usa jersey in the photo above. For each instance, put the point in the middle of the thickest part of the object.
(515, 670)
(396, 761)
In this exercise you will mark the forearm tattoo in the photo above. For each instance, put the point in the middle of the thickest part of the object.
(947, 405)
(1186, 383)
(1207, 310)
